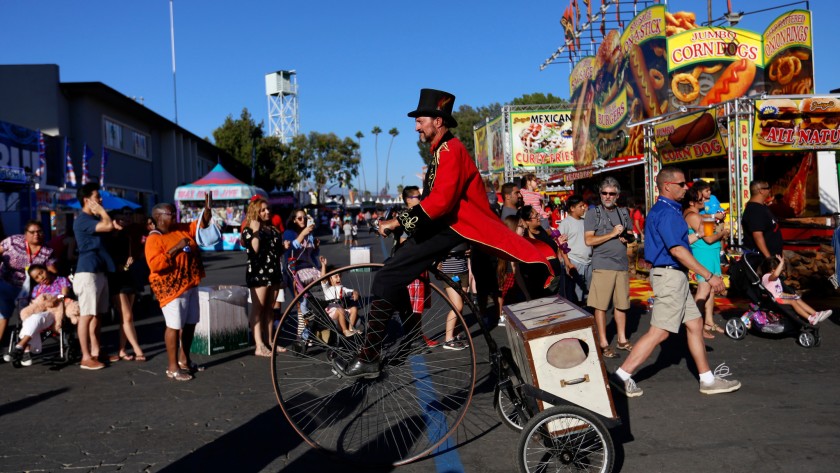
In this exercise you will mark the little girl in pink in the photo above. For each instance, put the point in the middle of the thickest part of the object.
(770, 280)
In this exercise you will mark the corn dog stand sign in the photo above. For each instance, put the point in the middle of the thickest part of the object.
(687, 138)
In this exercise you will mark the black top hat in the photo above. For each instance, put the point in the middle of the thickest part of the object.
(435, 103)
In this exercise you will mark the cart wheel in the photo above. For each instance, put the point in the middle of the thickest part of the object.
(565, 438)
(512, 417)
(807, 340)
(735, 329)
(412, 406)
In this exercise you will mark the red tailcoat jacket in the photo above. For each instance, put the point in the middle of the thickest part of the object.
(454, 194)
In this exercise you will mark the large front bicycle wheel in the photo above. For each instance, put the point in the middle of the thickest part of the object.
(565, 438)
(408, 411)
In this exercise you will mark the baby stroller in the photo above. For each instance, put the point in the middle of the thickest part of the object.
(765, 315)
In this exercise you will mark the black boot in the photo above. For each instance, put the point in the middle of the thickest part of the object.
(358, 368)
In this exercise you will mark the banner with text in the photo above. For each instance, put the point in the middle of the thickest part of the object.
(541, 138)
(482, 159)
(788, 124)
(495, 145)
(689, 137)
(623, 83)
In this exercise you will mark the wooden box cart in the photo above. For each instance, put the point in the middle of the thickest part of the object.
(554, 344)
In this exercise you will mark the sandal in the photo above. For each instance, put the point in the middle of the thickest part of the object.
(280, 349)
(178, 375)
(116, 358)
(708, 331)
(718, 328)
(607, 352)
(265, 353)
(140, 358)
(626, 346)
(193, 368)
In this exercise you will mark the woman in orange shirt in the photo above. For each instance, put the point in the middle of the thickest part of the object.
(176, 271)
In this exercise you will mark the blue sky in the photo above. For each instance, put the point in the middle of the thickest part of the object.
(359, 64)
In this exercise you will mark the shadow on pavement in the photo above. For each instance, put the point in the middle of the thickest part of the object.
(251, 447)
(30, 401)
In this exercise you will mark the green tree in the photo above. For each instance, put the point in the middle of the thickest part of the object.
(539, 98)
(284, 172)
(324, 158)
(359, 136)
(393, 132)
(243, 139)
(376, 131)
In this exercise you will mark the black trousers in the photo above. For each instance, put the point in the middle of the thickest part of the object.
(409, 260)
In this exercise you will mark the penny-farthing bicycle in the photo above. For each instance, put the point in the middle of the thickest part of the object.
(422, 392)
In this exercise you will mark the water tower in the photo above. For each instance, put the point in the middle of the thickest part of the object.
(281, 90)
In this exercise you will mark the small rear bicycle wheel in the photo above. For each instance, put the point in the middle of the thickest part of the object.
(418, 399)
(512, 417)
(565, 438)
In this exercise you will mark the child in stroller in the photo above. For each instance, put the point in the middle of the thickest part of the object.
(770, 279)
(342, 302)
(766, 315)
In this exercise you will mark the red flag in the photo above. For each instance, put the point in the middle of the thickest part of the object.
(567, 21)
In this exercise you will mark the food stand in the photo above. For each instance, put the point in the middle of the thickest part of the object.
(230, 202)
(722, 103)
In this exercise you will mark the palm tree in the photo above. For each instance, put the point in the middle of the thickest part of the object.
(359, 136)
(393, 132)
(376, 131)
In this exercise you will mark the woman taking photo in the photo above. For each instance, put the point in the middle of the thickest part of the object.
(263, 276)
(301, 255)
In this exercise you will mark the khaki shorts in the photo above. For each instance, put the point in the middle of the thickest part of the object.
(92, 291)
(674, 305)
(607, 285)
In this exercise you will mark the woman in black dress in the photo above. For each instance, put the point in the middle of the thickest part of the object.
(263, 276)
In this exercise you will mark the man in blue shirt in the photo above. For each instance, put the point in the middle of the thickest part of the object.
(667, 249)
(90, 281)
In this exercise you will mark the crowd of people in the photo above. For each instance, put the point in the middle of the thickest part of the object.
(99, 265)
(577, 249)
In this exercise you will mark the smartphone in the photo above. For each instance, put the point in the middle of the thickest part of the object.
(60, 296)
(309, 221)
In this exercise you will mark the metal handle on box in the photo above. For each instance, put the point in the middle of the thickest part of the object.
(564, 383)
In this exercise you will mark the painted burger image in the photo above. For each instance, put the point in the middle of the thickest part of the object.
(775, 117)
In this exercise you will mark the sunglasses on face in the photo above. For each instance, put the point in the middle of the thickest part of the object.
(611, 194)
(681, 184)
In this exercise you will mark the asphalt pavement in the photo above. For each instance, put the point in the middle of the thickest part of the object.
(130, 417)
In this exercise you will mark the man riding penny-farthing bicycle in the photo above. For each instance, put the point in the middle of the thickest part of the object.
(453, 210)
(386, 396)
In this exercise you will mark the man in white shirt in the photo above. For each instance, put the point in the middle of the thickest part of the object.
(579, 259)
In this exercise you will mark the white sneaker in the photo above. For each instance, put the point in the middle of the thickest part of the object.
(823, 315)
(501, 321)
(628, 387)
(719, 385)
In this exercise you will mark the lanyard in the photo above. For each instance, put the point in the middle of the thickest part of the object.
(30, 258)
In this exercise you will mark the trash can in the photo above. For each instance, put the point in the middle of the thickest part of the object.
(223, 325)
(360, 254)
